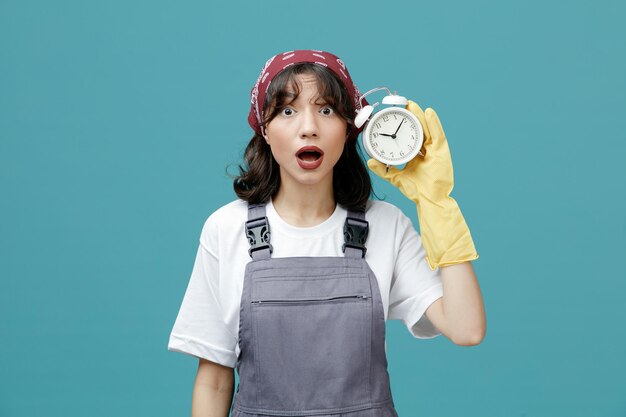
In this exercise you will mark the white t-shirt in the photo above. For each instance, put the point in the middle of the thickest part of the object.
(207, 325)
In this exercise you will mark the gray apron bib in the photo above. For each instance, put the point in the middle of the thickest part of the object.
(311, 331)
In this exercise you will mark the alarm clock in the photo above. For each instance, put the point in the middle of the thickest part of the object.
(393, 135)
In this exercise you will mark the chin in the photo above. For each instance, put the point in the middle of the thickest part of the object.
(310, 178)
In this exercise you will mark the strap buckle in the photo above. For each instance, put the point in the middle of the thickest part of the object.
(258, 234)
(355, 233)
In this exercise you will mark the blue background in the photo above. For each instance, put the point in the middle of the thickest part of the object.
(118, 120)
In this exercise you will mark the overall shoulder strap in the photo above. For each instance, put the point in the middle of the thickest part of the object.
(355, 231)
(258, 232)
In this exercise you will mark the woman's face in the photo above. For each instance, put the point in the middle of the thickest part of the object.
(307, 136)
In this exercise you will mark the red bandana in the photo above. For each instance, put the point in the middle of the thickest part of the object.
(279, 62)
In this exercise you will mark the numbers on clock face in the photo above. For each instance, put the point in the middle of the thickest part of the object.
(385, 127)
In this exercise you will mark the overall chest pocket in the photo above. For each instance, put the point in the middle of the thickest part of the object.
(313, 350)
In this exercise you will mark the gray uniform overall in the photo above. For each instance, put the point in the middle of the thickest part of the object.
(311, 331)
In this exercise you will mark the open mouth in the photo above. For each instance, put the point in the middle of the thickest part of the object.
(309, 153)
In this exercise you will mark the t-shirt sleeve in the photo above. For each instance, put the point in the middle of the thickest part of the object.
(199, 329)
(414, 286)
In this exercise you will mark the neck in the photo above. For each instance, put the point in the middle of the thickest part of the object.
(304, 205)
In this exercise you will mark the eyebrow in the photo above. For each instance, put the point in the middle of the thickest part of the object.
(317, 99)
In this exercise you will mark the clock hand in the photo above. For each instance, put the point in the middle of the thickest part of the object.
(394, 133)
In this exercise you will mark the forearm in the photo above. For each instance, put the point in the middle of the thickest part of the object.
(210, 400)
(463, 306)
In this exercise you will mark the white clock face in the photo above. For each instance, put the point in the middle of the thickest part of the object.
(393, 136)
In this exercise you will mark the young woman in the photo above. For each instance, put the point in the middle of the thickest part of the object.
(293, 281)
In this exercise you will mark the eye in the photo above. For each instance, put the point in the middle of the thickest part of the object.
(328, 110)
(286, 111)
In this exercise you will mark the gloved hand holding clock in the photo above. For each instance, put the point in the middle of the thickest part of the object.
(427, 180)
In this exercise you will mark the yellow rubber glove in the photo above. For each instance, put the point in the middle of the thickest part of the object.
(428, 181)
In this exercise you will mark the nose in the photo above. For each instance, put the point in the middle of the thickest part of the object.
(308, 125)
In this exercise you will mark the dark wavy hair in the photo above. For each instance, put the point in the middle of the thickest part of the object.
(259, 177)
